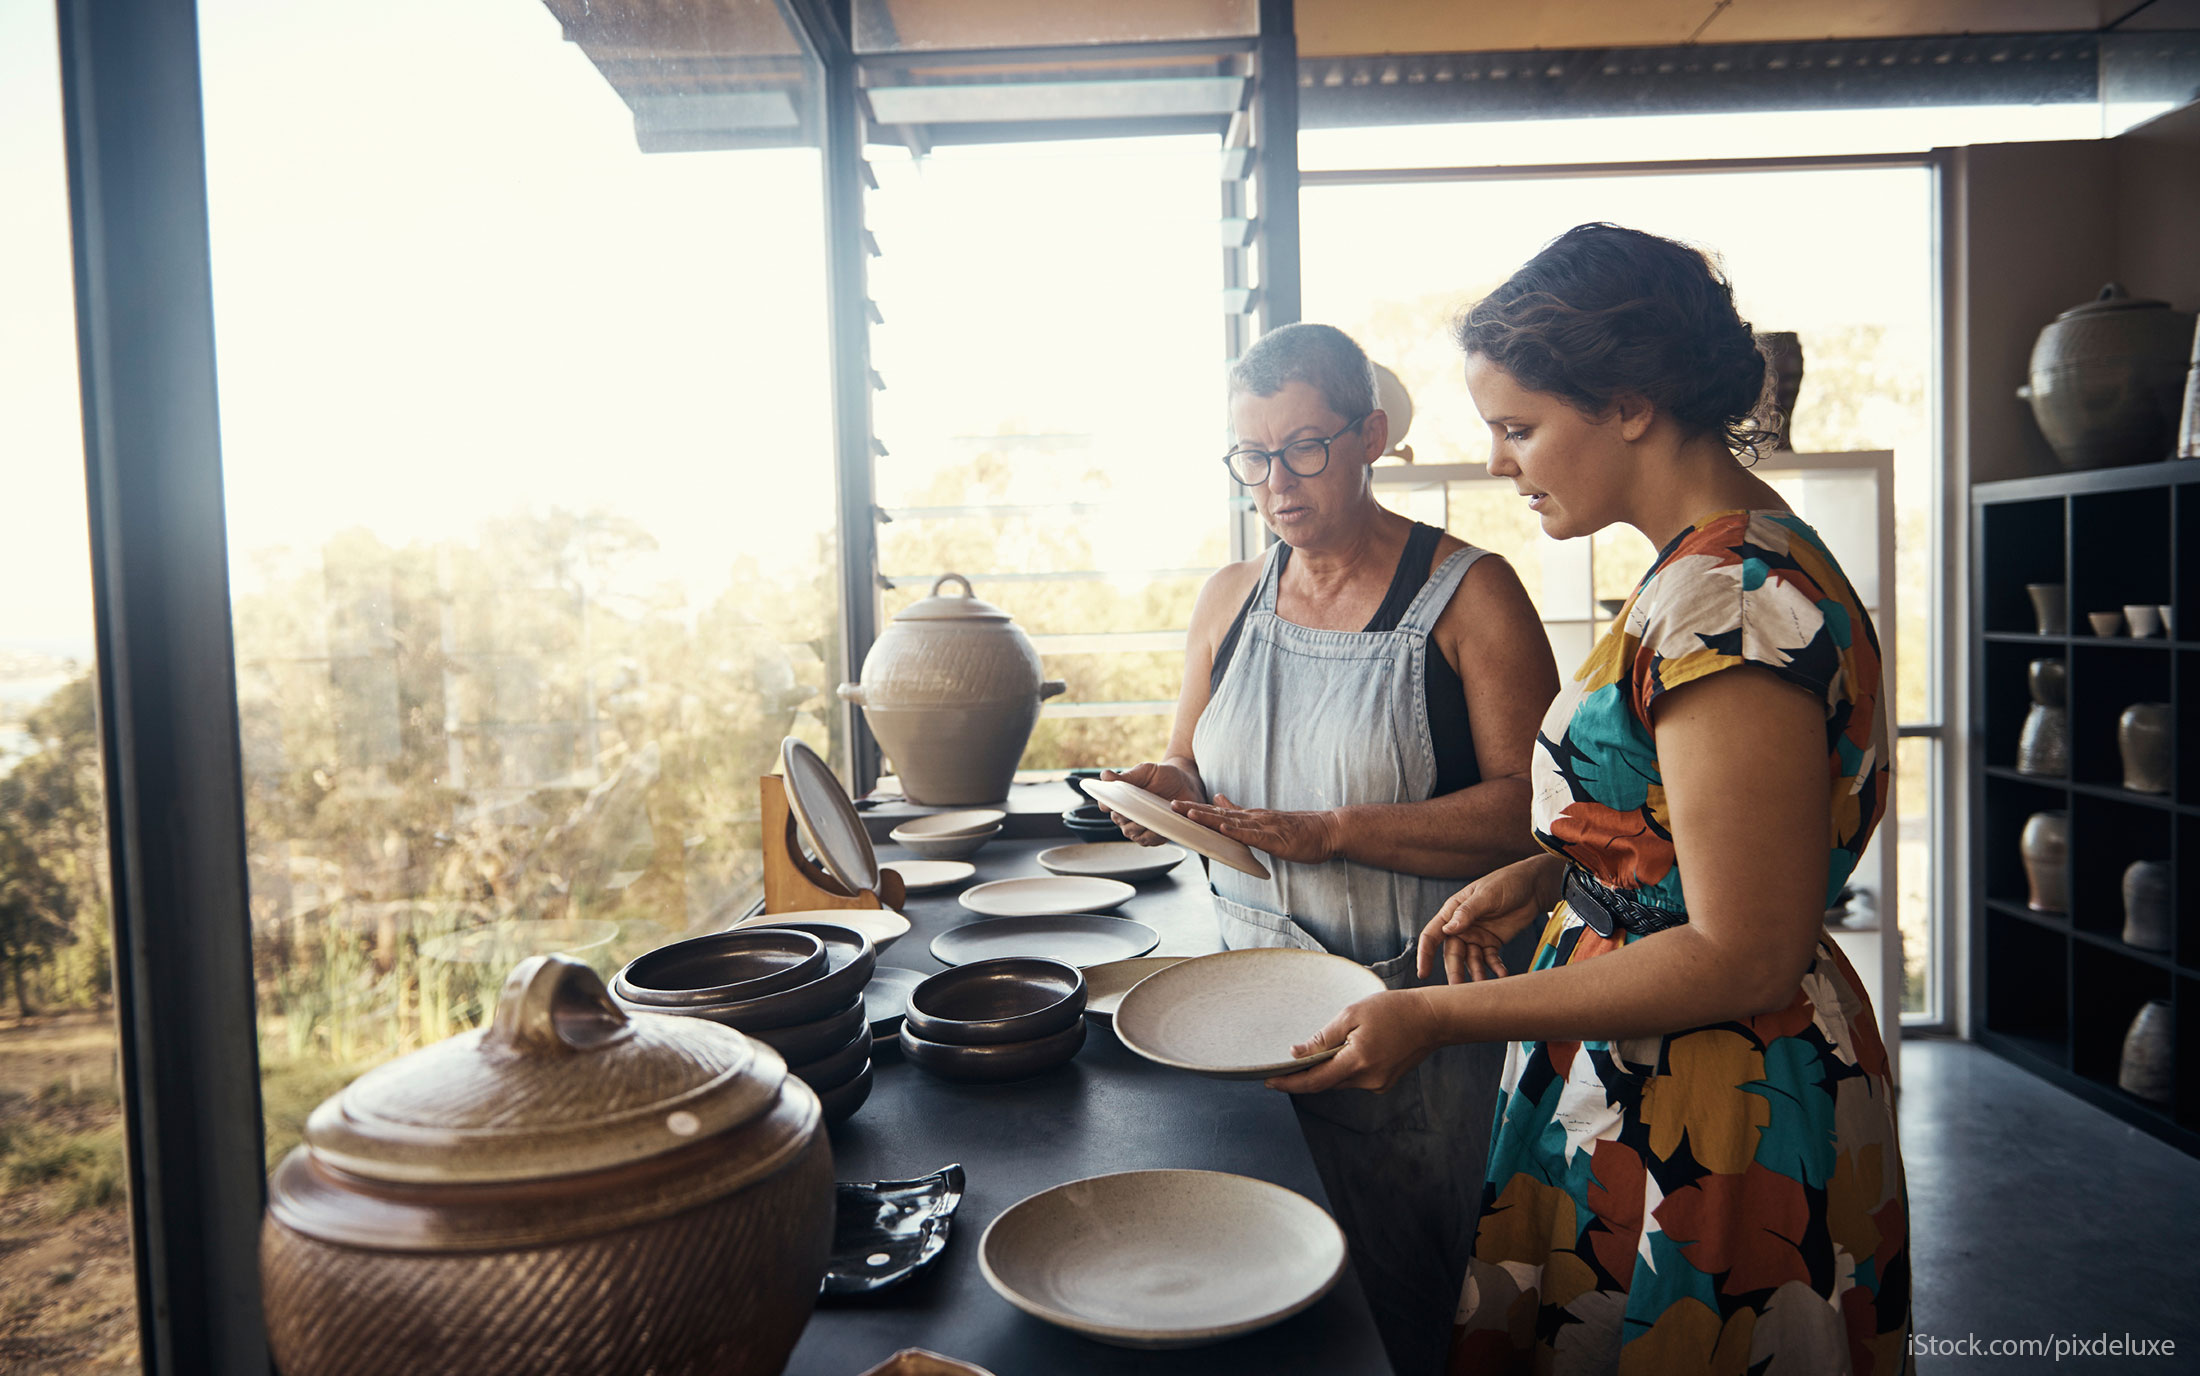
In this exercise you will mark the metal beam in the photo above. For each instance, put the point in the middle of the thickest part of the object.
(167, 679)
(1276, 164)
(1559, 171)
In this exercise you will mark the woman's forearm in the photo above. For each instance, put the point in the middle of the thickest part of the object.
(1458, 836)
(1662, 983)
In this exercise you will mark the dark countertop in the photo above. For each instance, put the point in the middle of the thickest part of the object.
(1107, 1110)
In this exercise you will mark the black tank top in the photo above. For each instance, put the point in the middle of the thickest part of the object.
(1445, 693)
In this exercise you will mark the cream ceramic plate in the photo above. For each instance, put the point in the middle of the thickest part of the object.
(1124, 860)
(1163, 1258)
(925, 876)
(941, 825)
(1105, 985)
(827, 817)
(1042, 896)
(1237, 1015)
(1155, 815)
(883, 925)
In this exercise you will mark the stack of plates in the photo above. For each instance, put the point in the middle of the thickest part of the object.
(741, 978)
(1005, 1019)
(950, 835)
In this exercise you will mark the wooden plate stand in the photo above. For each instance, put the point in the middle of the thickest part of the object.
(795, 883)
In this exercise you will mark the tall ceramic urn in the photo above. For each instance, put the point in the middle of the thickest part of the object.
(572, 1189)
(2108, 378)
(952, 689)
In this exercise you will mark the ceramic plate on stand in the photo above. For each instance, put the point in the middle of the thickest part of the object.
(1236, 1015)
(1078, 939)
(930, 876)
(1042, 895)
(1163, 1258)
(826, 816)
(1124, 860)
(1156, 816)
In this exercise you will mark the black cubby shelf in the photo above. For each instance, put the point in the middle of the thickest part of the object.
(2055, 993)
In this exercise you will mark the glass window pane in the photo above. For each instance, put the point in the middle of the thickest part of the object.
(1069, 470)
(888, 25)
(531, 497)
(68, 1292)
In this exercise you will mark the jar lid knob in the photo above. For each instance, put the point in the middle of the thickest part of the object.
(943, 580)
(554, 1005)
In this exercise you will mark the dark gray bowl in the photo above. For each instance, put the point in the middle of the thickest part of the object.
(838, 1067)
(994, 1002)
(1009, 1061)
(809, 1041)
(849, 959)
(724, 967)
(1091, 822)
(842, 1101)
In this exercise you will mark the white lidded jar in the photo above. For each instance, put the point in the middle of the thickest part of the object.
(952, 689)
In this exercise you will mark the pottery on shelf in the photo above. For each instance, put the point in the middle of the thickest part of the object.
(2106, 625)
(1783, 351)
(952, 689)
(2045, 847)
(2147, 922)
(2142, 735)
(2050, 607)
(2043, 746)
(2149, 1065)
(2188, 433)
(572, 1189)
(2107, 380)
(2143, 618)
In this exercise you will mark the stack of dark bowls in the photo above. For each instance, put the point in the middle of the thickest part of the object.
(993, 1020)
(797, 988)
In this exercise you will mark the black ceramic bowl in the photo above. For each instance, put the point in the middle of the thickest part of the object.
(724, 967)
(841, 1101)
(1009, 1061)
(993, 1002)
(848, 961)
(836, 1068)
(809, 1041)
(1091, 822)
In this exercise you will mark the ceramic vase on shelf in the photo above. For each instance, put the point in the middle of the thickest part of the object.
(2108, 379)
(1783, 351)
(2046, 850)
(2142, 735)
(2149, 1068)
(2146, 905)
(2050, 608)
(2188, 434)
(2043, 747)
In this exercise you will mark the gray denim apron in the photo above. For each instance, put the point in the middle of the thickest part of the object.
(1307, 719)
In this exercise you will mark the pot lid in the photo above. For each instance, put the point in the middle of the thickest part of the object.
(2113, 297)
(560, 1082)
(828, 818)
(962, 606)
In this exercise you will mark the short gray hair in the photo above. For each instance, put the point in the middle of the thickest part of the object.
(1321, 356)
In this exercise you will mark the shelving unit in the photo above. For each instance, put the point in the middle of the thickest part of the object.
(2056, 992)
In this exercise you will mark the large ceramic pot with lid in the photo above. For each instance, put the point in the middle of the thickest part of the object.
(573, 1188)
(2107, 379)
(952, 689)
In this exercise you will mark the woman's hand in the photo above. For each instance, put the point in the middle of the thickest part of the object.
(1383, 1036)
(1167, 782)
(1475, 923)
(1306, 838)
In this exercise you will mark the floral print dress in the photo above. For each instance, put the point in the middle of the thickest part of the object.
(1725, 1199)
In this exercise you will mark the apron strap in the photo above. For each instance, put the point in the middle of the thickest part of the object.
(1435, 595)
(1264, 594)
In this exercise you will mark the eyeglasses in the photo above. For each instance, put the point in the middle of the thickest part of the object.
(1305, 458)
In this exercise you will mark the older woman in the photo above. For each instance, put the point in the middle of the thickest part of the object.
(1697, 1167)
(1359, 704)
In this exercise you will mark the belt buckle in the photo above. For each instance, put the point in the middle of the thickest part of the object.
(1592, 909)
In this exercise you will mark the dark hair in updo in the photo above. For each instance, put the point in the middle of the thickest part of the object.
(1603, 312)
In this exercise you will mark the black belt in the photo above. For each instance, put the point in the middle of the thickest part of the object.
(1608, 909)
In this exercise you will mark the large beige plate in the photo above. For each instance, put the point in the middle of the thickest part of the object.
(930, 876)
(1045, 895)
(1155, 815)
(1236, 1015)
(1105, 985)
(1164, 1258)
(883, 925)
(827, 817)
(1124, 860)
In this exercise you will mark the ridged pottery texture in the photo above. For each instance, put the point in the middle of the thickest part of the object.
(2108, 380)
(952, 689)
(2043, 747)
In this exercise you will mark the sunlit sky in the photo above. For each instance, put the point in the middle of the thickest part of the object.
(448, 285)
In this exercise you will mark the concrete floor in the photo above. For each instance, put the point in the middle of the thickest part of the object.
(2035, 1215)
